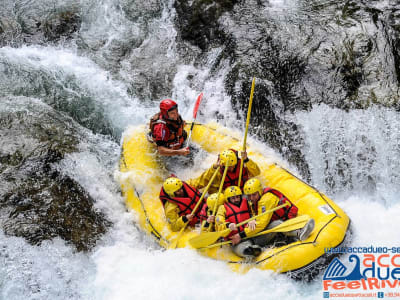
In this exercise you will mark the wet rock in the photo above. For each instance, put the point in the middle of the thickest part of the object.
(353, 59)
(136, 44)
(269, 122)
(252, 49)
(279, 92)
(61, 91)
(37, 202)
(393, 29)
(60, 25)
(198, 21)
(343, 54)
(137, 9)
(37, 22)
(111, 42)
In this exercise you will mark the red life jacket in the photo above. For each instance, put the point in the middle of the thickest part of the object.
(175, 128)
(232, 178)
(284, 213)
(237, 214)
(185, 204)
(204, 213)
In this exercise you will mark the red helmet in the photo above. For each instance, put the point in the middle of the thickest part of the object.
(166, 105)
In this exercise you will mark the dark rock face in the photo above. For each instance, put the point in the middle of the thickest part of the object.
(136, 10)
(269, 124)
(260, 54)
(61, 25)
(63, 92)
(344, 54)
(37, 201)
(198, 21)
(37, 22)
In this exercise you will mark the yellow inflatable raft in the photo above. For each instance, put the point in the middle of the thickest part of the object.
(141, 177)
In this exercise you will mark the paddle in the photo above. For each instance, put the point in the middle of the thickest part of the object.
(208, 238)
(175, 242)
(196, 108)
(289, 225)
(247, 128)
(219, 192)
(221, 185)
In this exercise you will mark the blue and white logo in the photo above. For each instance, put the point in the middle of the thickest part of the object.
(338, 271)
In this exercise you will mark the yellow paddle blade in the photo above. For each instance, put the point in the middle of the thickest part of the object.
(289, 225)
(207, 238)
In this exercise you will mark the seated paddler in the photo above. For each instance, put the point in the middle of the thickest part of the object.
(228, 157)
(179, 199)
(207, 213)
(236, 210)
(167, 130)
(264, 199)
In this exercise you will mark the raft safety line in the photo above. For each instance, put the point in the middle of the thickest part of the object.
(215, 130)
(154, 231)
(319, 193)
(122, 157)
(287, 248)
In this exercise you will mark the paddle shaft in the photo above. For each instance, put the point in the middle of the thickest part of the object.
(205, 191)
(219, 191)
(247, 128)
(173, 246)
(280, 228)
(221, 185)
(208, 238)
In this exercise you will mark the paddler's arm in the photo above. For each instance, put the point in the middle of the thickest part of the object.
(207, 227)
(164, 151)
(250, 165)
(172, 214)
(252, 168)
(220, 219)
(202, 181)
(267, 202)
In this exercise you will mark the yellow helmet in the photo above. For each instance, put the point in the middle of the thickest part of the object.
(171, 185)
(232, 191)
(228, 156)
(212, 198)
(252, 185)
